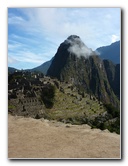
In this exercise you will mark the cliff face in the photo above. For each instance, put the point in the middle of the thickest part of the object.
(113, 75)
(74, 62)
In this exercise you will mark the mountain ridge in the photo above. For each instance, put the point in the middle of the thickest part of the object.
(110, 52)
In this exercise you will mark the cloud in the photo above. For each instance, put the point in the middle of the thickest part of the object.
(27, 56)
(23, 40)
(56, 24)
(16, 20)
(77, 47)
(61, 24)
(114, 38)
(93, 25)
(11, 60)
(11, 47)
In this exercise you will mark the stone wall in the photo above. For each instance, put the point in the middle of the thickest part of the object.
(29, 107)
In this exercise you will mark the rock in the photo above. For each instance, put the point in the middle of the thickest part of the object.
(62, 90)
(67, 126)
(37, 116)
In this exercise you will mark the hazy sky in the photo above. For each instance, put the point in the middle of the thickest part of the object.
(34, 34)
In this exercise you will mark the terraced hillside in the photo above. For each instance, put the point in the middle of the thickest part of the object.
(69, 104)
(51, 99)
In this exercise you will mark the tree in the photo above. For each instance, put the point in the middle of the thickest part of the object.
(47, 95)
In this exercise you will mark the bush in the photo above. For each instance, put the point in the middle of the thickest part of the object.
(47, 95)
(112, 110)
(102, 126)
(115, 127)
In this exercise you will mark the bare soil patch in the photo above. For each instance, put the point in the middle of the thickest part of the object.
(31, 138)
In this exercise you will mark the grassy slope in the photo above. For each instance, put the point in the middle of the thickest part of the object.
(71, 105)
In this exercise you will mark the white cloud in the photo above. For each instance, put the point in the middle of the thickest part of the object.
(16, 20)
(114, 38)
(77, 47)
(22, 40)
(56, 24)
(90, 24)
(11, 60)
(26, 56)
(11, 47)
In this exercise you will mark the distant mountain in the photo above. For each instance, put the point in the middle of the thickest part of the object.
(12, 70)
(43, 68)
(111, 52)
(75, 63)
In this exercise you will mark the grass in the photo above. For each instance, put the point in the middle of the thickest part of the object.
(71, 107)
(66, 108)
(11, 107)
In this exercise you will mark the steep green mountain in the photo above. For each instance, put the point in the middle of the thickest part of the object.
(75, 63)
(111, 52)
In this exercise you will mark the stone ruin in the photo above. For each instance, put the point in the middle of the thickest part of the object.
(28, 107)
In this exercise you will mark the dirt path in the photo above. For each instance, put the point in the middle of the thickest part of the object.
(30, 138)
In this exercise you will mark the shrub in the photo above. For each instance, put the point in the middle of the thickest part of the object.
(47, 95)
(115, 127)
(112, 110)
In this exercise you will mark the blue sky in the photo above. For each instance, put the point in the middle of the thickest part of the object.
(34, 34)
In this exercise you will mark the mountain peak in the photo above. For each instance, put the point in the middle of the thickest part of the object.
(75, 63)
(71, 49)
(76, 46)
(73, 37)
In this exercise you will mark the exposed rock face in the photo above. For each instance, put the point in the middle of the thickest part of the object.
(113, 75)
(74, 62)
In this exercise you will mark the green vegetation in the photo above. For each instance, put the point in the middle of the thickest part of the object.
(71, 107)
(110, 121)
(64, 101)
(47, 95)
(112, 110)
(11, 107)
(115, 113)
(114, 127)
